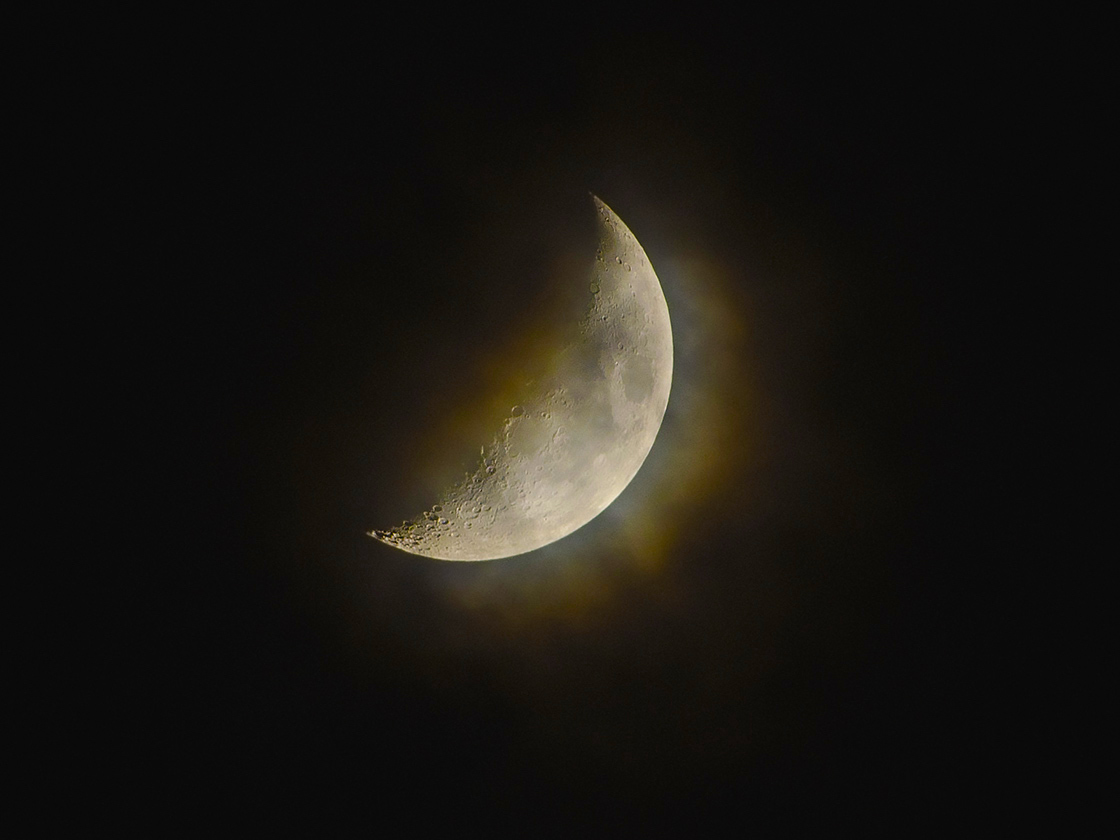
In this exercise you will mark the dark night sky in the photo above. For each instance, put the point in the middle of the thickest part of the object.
(346, 234)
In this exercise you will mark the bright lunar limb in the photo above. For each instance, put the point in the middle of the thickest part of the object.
(579, 435)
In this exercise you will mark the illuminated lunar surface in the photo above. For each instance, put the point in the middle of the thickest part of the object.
(580, 433)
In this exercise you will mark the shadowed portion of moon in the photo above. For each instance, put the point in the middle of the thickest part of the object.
(579, 433)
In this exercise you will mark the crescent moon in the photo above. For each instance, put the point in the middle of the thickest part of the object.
(581, 433)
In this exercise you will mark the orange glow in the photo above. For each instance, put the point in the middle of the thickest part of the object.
(704, 440)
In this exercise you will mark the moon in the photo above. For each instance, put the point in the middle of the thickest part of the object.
(581, 431)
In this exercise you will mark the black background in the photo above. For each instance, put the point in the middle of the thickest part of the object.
(341, 228)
